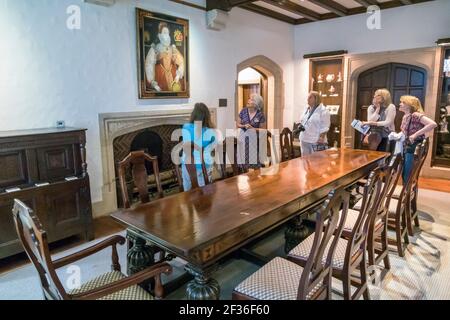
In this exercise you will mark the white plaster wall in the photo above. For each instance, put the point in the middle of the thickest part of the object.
(408, 27)
(48, 72)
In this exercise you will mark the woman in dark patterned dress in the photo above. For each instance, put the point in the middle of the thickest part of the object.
(251, 118)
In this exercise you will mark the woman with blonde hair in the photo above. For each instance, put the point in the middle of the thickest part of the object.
(381, 119)
(415, 126)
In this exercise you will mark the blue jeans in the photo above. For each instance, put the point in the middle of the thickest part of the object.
(201, 182)
(407, 166)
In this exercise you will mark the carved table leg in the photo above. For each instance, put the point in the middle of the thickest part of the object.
(140, 255)
(203, 287)
(295, 233)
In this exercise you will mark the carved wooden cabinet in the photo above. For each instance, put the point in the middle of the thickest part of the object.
(45, 168)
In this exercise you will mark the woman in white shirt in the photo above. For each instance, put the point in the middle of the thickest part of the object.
(316, 123)
(381, 118)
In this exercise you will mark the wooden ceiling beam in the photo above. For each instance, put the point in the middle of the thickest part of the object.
(295, 8)
(225, 5)
(268, 13)
(367, 3)
(332, 6)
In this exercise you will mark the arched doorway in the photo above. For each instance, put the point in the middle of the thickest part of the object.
(399, 79)
(271, 88)
(250, 82)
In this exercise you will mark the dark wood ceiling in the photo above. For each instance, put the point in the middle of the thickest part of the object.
(303, 11)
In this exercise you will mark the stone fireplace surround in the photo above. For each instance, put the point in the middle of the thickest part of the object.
(113, 125)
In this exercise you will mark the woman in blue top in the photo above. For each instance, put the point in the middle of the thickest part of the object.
(198, 131)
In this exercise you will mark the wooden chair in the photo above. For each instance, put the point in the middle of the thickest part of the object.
(286, 145)
(191, 168)
(350, 253)
(227, 148)
(281, 279)
(377, 238)
(137, 160)
(413, 214)
(270, 149)
(400, 206)
(110, 286)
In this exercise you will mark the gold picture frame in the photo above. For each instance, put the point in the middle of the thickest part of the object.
(163, 55)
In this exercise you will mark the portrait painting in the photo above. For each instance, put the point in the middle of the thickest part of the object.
(163, 55)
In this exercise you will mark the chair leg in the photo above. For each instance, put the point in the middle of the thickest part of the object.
(414, 201)
(416, 220)
(398, 238)
(328, 283)
(385, 249)
(347, 286)
(371, 248)
(408, 220)
(362, 267)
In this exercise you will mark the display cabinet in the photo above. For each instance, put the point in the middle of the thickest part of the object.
(326, 77)
(441, 148)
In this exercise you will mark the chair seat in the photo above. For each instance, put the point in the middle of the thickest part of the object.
(350, 221)
(352, 216)
(303, 250)
(277, 280)
(131, 293)
(393, 207)
(358, 205)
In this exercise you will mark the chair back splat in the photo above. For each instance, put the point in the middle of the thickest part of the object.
(136, 160)
(315, 272)
(228, 155)
(191, 165)
(369, 209)
(34, 241)
(286, 145)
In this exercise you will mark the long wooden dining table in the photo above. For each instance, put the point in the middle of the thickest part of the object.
(203, 225)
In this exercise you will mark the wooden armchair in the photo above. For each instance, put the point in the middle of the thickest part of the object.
(137, 159)
(281, 279)
(191, 167)
(110, 286)
(350, 253)
(286, 145)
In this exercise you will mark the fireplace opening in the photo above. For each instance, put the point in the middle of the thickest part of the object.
(152, 144)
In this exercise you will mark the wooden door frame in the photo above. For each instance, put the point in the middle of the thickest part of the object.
(389, 85)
